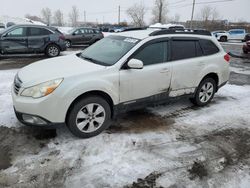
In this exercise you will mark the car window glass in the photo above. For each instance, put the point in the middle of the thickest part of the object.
(79, 32)
(198, 49)
(90, 31)
(97, 31)
(19, 32)
(208, 47)
(38, 31)
(183, 49)
(152, 53)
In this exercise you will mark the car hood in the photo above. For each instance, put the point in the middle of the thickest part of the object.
(59, 67)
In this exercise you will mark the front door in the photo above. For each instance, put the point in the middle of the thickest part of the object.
(151, 81)
(15, 41)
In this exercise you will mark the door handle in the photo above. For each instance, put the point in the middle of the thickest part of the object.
(165, 70)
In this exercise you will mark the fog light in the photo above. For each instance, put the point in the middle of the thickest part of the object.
(33, 119)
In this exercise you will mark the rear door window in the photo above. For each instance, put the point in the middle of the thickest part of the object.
(183, 49)
(208, 47)
(39, 31)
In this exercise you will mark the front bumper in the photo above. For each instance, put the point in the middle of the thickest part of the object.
(46, 124)
(49, 108)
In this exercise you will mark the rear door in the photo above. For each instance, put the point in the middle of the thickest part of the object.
(189, 58)
(38, 38)
(88, 35)
(187, 61)
(15, 41)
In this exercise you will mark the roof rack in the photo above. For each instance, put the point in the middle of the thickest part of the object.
(181, 31)
(134, 29)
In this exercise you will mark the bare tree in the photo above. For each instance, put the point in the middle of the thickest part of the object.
(160, 12)
(208, 15)
(137, 13)
(46, 15)
(74, 16)
(58, 18)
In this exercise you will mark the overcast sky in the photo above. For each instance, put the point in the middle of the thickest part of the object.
(107, 10)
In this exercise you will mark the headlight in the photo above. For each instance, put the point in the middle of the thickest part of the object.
(42, 89)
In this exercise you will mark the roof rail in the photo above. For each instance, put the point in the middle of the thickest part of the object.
(134, 29)
(181, 31)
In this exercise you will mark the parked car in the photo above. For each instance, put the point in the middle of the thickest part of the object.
(2, 26)
(83, 36)
(29, 39)
(221, 35)
(233, 34)
(246, 47)
(119, 73)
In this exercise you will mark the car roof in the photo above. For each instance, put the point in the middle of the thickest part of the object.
(142, 34)
(139, 34)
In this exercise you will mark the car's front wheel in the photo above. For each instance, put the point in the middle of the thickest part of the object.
(223, 39)
(205, 92)
(89, 117)
(52, 50)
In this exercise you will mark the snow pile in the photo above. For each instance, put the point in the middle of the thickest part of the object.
(165, 26)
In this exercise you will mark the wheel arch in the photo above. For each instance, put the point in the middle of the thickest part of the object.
(98, 93)
(213, 76)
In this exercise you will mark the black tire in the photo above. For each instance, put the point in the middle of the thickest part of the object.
(80, 107)
(52, 50)
(197, 100)
(223, 39)
(68, 43)
(245, 52)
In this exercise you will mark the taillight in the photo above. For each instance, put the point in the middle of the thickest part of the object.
(62, 37)
(227, 57)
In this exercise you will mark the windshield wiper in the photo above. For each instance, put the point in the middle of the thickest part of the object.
(88, 58)
(93, 60)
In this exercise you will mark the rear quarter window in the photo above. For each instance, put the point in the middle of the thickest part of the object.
(208, 47)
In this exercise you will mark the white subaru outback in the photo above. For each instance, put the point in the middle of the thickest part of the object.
(122, 72)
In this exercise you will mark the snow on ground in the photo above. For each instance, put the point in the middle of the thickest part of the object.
(175, 145)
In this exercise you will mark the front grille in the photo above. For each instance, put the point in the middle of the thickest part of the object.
(17, 84)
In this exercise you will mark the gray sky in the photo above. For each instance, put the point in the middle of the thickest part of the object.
(106, 10)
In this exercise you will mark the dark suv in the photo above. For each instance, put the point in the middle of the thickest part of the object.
(29, 39)
(83, 36)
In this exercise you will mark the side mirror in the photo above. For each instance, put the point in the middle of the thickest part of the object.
(73, 33)
(135, 64)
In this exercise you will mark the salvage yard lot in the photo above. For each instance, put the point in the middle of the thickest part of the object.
(173, 145)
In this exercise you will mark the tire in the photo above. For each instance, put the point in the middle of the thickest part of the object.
(68, 43)
(205, 92)
(223, 39)
(85, 124)
(52, 50)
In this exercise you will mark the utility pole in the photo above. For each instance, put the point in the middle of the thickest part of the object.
(84, 16)
(192, 17)
(119, 15)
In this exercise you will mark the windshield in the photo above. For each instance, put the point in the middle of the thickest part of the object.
(109, 50)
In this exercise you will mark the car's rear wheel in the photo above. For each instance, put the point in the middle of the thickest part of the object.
(205, 92)
(245, 51)
(52, 50)
(68, 43)
(223, 39)
(89, 117)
